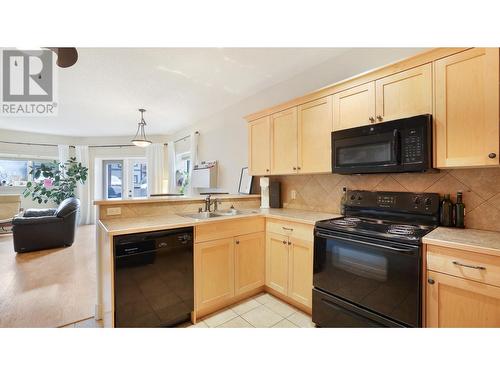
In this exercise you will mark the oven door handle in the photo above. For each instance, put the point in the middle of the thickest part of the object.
(392, 247)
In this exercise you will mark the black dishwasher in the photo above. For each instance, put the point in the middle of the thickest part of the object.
(153, 279)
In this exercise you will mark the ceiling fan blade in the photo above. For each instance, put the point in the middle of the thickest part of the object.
(66, 56)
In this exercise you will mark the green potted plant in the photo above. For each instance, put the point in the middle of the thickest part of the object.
(55, 181)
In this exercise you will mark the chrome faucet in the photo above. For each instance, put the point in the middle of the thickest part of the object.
(209, 203)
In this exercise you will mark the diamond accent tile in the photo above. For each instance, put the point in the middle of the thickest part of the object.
(480, 187)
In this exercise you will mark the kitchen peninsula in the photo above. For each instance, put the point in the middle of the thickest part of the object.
(230, 258)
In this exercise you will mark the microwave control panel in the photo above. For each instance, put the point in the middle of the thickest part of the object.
(412, 149)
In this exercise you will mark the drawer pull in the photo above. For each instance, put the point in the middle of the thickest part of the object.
(285, 228)
(468, 266)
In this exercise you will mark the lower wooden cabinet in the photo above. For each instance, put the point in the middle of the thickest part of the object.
(300, 271)
(249, 262)
(227, 268)
(277, 262)
(214, 270)
(289, 267)
(454, 302)
(461, 288)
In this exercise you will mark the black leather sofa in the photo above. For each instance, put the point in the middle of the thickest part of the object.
(38, 229)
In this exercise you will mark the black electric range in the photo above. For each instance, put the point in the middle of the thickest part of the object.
(367, 264)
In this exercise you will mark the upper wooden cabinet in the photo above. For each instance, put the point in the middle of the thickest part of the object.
(466, 115)
(284, 142)
(404, 94)
(399, 95)
(354, 107)
(259, 146)
(315, 125)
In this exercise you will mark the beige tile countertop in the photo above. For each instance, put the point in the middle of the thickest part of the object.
(116, 227)
(182, 198)
(479, 241)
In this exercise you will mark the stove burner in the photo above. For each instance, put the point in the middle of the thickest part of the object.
(352, 219)
(402, 229)
(345, 222)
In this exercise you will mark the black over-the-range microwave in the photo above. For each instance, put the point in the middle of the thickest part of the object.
(403, 145)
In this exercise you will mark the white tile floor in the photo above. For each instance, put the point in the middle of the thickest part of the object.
(262, 311)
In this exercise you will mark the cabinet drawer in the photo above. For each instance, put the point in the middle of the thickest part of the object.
(467, 265)
(228, 228)
(287, 228)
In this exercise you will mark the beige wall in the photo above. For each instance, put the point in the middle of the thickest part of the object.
(481, 190)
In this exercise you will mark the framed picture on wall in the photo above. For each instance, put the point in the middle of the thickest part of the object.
(245, 182)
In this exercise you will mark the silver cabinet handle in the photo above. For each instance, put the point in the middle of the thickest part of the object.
(468, 266)
(285, 228)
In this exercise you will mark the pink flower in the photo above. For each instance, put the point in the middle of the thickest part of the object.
(47, 183)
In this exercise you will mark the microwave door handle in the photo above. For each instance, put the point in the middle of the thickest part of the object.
(392, 248)
(397, 146)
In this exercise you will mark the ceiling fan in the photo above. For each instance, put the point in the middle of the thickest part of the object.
(66, 56)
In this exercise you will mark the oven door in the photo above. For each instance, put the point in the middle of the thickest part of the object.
(380, 276)
(366, 153)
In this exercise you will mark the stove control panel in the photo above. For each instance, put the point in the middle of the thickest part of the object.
(424, 203)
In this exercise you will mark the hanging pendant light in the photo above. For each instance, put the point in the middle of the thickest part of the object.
(140, 139)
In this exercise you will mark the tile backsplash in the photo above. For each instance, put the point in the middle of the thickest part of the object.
(480, 187)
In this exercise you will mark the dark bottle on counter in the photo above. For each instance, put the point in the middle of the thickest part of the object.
(459, 211)
(343, 201)
(447, 211)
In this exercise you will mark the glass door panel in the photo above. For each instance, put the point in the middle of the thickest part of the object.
(113, 179)
(139, 182)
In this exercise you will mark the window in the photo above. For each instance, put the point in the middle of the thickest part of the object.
(182, 165)
(125, 178)
(15, 172)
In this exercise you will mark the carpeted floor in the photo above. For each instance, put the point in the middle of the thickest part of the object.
(49, 288)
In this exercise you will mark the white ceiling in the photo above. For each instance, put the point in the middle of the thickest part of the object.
(100, 95)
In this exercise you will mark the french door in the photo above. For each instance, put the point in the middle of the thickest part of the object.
(125, 178)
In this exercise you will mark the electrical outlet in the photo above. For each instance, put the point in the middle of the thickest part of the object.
(114, 211)
(293, 194)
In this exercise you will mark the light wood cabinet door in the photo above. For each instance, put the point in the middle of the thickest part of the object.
(214, 273)
(467, 109)
(249, 262)
(259, 146)
(315, 126)
(284, 142)
(300, 271)
(453, 302)
(404, 94)
(354, 107)
(277, 262)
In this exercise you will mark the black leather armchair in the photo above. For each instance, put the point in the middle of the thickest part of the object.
(38, 229)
